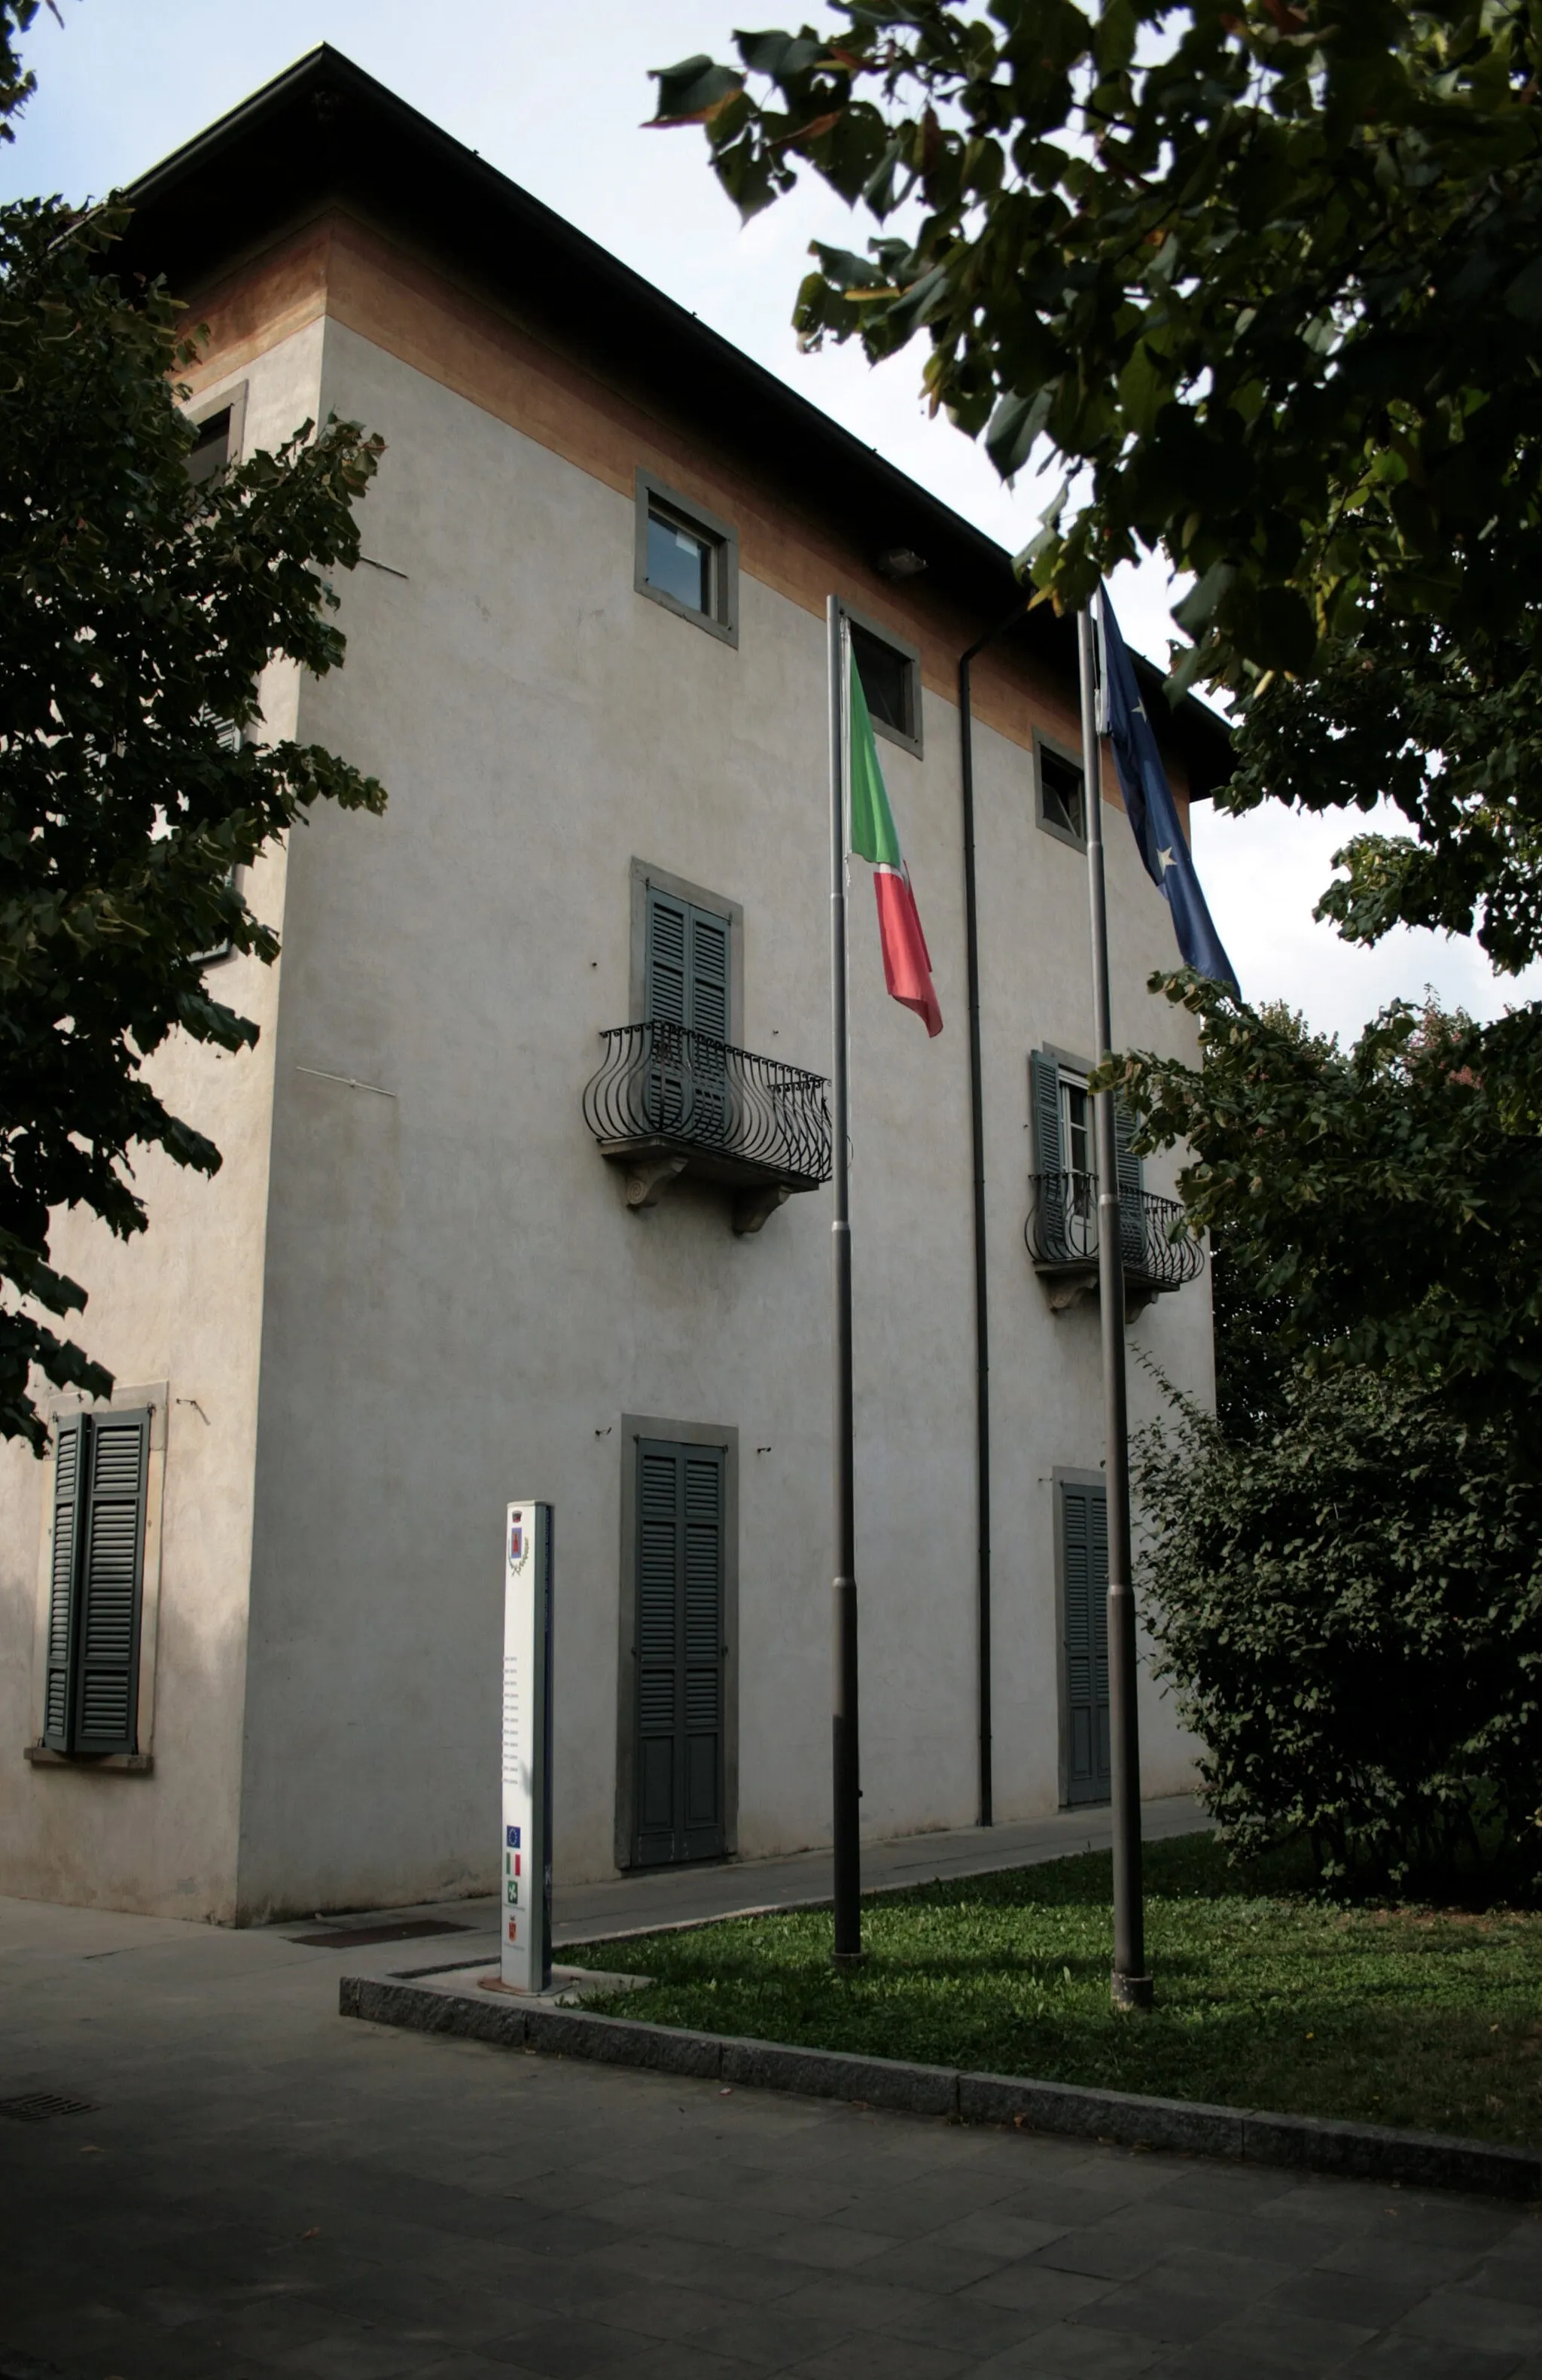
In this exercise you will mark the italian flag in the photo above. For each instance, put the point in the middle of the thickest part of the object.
(907, 960)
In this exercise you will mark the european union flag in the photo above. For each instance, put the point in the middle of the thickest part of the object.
(1153, 813)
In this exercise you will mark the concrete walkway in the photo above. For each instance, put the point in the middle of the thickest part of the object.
(631, 1904)
(256, 2187)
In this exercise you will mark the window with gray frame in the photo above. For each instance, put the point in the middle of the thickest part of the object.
(1081, 1530)
(1060, 795)
(686, 559)
(1065, 1157)
(101, 1480)
(218, 426)
(890, 674)
(210, 448)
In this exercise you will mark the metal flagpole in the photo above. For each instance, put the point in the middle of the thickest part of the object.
(1131, 1985)
(846, 1787)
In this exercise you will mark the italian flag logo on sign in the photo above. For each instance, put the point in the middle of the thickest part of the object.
(907, 960)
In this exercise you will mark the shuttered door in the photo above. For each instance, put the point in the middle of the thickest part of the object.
(686, 984)
(1084, 1583)
(68, 1483)
(110, 1576)
(678, 1763)
(686, 976)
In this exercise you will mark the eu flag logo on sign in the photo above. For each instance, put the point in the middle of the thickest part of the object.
(512, 1836)
(1152, 812)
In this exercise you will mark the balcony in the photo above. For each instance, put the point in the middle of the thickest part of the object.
(667, 1102)
(1160, 1251)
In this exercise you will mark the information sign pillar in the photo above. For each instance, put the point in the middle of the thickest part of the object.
(526, 1852)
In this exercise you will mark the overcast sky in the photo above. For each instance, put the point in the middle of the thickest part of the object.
(555, 98)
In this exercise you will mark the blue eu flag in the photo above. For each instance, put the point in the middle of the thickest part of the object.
(1153, 813)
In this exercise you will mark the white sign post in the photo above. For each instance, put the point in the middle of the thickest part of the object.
(526, 1955)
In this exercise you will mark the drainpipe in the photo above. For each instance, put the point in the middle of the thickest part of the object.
(977, 1143)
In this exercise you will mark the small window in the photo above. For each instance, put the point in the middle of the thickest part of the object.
(686, 559)
(679, 561)
(1061, 807)
(890, 674)
(210, 448)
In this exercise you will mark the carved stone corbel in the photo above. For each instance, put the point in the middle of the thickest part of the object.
(751, 1209)
(649, 1177)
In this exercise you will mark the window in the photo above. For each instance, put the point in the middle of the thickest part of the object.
(96, 1583)
(686, 559)
(679, 561)
(1060, 793)
(890, 674)
(1065, 1160)
(230, 741)
(210, 448)
(1076, 1136)
(219, 424)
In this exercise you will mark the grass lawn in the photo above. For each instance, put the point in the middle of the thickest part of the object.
(1266, 1997)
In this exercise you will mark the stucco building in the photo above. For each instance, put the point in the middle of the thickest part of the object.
(523, 1184)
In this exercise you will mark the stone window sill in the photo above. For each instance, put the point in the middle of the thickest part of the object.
(132, 1764)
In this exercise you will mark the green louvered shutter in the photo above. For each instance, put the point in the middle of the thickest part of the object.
(667, 996)
(68, 1483)
(709, 974)
(110, 1580)
(709, 1018)
(1043, 1076)
(666, 1003)
(702, 1653)
(686, 973)
(678, 1764)
(686, 983)
(1084, 1558)
(1132, 1181)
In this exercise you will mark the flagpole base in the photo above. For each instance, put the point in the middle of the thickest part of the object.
(1130, 1991)
(846, 1963)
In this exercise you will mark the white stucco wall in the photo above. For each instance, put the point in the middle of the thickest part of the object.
(458, 1308)
(180, 1303)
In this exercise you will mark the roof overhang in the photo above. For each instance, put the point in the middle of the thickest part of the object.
(324, 133)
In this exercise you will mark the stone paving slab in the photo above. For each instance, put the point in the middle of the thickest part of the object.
(263, 2192)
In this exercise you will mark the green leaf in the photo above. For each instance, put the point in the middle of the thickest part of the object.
(694, 92)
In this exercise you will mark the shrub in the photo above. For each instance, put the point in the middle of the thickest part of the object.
(1350, 1605)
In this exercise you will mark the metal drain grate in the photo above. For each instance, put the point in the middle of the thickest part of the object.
(351, 1938)
(36, 2107)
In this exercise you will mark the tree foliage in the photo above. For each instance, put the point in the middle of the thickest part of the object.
(16, 82)
(1350, 1605)
(1263, 276)
(140, 614)
(1381, 1204)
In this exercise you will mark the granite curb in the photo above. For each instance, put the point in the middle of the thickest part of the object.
(1310, 2144)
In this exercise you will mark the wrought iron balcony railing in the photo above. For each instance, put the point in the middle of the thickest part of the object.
(1160, 1251)
(667, 1101)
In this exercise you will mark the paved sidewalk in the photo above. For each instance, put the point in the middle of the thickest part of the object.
(262, 2189)
(677, 1896)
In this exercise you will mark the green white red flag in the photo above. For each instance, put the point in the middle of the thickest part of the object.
(907, 960)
